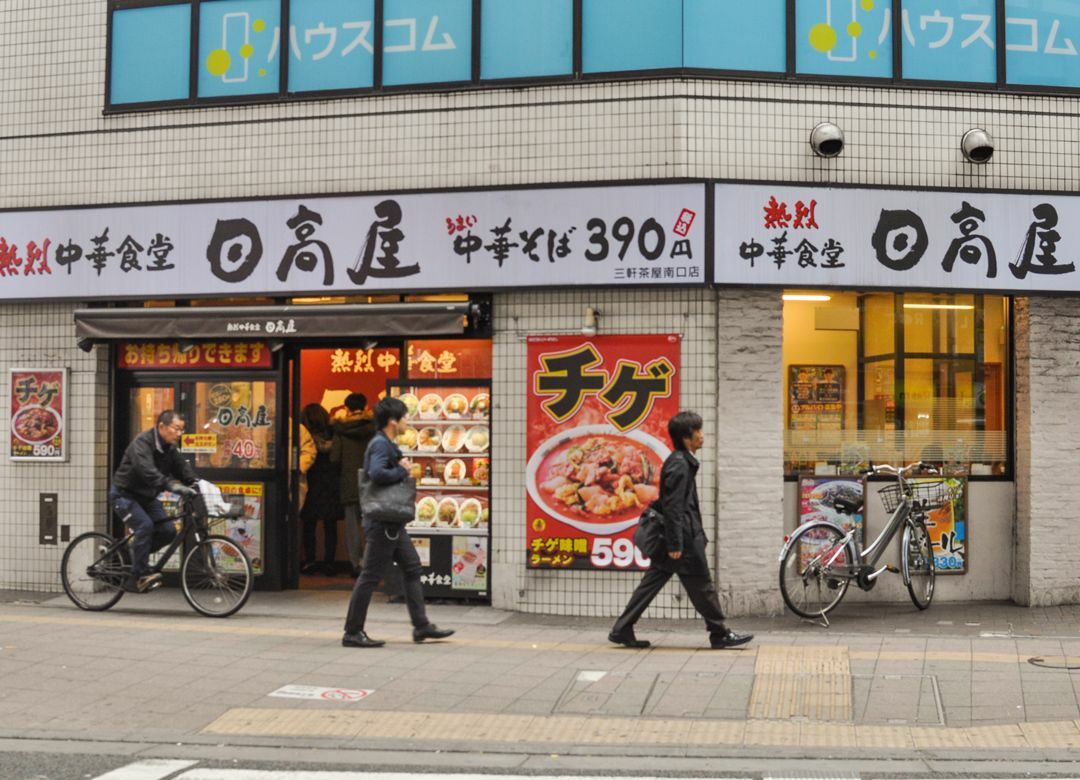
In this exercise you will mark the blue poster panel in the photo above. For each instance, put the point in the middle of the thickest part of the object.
(844, 38)
(427, 41)
(519, 40)
(621, 35)
(332, 44)
(735, 36)
(950, 40)
(239, 47)
(1041, 37)
(151, 54)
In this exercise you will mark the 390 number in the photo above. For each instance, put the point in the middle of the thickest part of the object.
(651, 238)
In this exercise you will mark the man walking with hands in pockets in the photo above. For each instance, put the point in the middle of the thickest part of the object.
(685, 541)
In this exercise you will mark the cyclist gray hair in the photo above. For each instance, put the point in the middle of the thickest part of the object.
(167, 417)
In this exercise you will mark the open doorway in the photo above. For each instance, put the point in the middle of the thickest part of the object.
(328, 549)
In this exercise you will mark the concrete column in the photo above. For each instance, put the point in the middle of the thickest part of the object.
(750, 449)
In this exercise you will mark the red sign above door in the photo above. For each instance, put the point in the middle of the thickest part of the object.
(162, 355)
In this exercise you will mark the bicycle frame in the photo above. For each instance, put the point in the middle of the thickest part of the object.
(189, 524)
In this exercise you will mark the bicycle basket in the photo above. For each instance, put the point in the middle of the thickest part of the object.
(930, 494)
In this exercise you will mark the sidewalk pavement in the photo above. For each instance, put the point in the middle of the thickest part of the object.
(958, 682)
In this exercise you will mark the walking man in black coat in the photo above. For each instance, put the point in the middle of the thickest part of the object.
(685, 539)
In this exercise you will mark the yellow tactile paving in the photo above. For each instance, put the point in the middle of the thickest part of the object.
(453, 727)
(808, 681)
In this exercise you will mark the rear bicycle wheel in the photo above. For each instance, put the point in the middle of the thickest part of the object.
(216, 576)
(813, 571)
(93, 575)
(917, 560)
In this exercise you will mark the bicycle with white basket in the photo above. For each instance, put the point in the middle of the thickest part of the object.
(821, 559)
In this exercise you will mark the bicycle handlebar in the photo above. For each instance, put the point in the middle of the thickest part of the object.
(911, 468)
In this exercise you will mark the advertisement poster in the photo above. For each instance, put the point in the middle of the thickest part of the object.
(246, 530)
(469, 563)
(597, 413)
(38, 405)
(817, 498)
(947, 527)
(816, 395)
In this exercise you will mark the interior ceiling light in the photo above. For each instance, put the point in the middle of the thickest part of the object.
(951, 306)
(802, 297)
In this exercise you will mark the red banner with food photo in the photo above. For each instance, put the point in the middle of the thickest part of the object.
(596, 415)
(38, 406)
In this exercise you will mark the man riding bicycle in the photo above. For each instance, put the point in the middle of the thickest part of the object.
(151, 463)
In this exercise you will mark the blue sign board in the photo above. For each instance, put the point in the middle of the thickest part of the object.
(844, 38)
(735, 36)
(239, 46)
(621, 35)
(950, 40)
(332, 44)
(522, 40)
(1041, 39)
(146, 65)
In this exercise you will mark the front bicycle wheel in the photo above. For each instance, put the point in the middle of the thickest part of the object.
(917, 559)
(93, 573)
(216, 576)
(813, 572)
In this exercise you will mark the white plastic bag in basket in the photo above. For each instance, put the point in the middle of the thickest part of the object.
(216, 505)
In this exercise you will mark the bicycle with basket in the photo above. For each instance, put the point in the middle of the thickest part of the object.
(821, 559)
(216, 576)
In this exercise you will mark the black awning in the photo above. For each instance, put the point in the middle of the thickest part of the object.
(270, 322)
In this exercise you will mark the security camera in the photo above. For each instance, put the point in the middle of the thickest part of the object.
(827, 140)
(977, 146)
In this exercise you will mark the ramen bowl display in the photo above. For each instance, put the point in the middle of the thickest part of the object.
(596, 478)
(456, 406)
(35, 424)
(431, 407)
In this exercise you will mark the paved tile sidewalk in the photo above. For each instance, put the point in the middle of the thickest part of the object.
(882, 678)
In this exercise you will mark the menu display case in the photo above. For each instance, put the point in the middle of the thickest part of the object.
(449, 443)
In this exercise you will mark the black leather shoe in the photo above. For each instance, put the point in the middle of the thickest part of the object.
(360, 639)
(629, 640)
(431, 631)
(729, 639)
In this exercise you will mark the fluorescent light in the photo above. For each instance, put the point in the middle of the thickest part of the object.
(951, 306)
(794, 297)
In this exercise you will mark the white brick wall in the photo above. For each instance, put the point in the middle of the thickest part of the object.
(1048, 452)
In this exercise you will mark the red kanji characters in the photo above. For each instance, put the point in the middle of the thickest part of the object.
(804, 215)
(9, 258)
(40, 255)
(776, 214)
(460, 224)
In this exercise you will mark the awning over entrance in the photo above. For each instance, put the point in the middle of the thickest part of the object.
(270, 322)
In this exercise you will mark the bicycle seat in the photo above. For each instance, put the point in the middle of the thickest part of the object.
(848, 506)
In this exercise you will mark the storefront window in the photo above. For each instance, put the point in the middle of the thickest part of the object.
(895, 378)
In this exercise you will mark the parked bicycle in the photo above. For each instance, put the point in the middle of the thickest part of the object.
(215, 574)
(821, 559)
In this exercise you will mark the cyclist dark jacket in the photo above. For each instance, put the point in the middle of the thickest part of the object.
(149, 464)
(683, 529)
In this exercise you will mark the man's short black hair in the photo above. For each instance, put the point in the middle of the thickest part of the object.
(356, 402)
(389, 409)
(682, 427)
(166, 418)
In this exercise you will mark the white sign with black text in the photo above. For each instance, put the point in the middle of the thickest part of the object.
(464, 241)
(807, 236)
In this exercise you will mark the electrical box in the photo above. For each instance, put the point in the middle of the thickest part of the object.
(48, 517)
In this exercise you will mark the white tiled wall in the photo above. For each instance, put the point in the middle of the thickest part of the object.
(57, 148)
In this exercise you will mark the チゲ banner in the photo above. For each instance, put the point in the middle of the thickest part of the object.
(38, 423)
(597, 414)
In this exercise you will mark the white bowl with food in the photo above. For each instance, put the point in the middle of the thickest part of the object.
(596, 478)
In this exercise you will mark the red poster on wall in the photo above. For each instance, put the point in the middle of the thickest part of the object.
(38, 414)
(597, 436)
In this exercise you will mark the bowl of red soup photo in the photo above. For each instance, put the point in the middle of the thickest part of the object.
(596, 478)
(36, 424)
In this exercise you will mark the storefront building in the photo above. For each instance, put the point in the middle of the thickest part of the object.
(549, 225)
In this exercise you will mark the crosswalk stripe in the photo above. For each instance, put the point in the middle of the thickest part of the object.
(150, 769)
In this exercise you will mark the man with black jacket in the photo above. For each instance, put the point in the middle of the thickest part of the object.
(685, 540)
(151, 464)
(351, 437)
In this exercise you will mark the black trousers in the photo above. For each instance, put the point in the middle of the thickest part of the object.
(699, 588)
(385, 546)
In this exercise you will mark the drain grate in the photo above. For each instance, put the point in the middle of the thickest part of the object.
(1056, 661)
